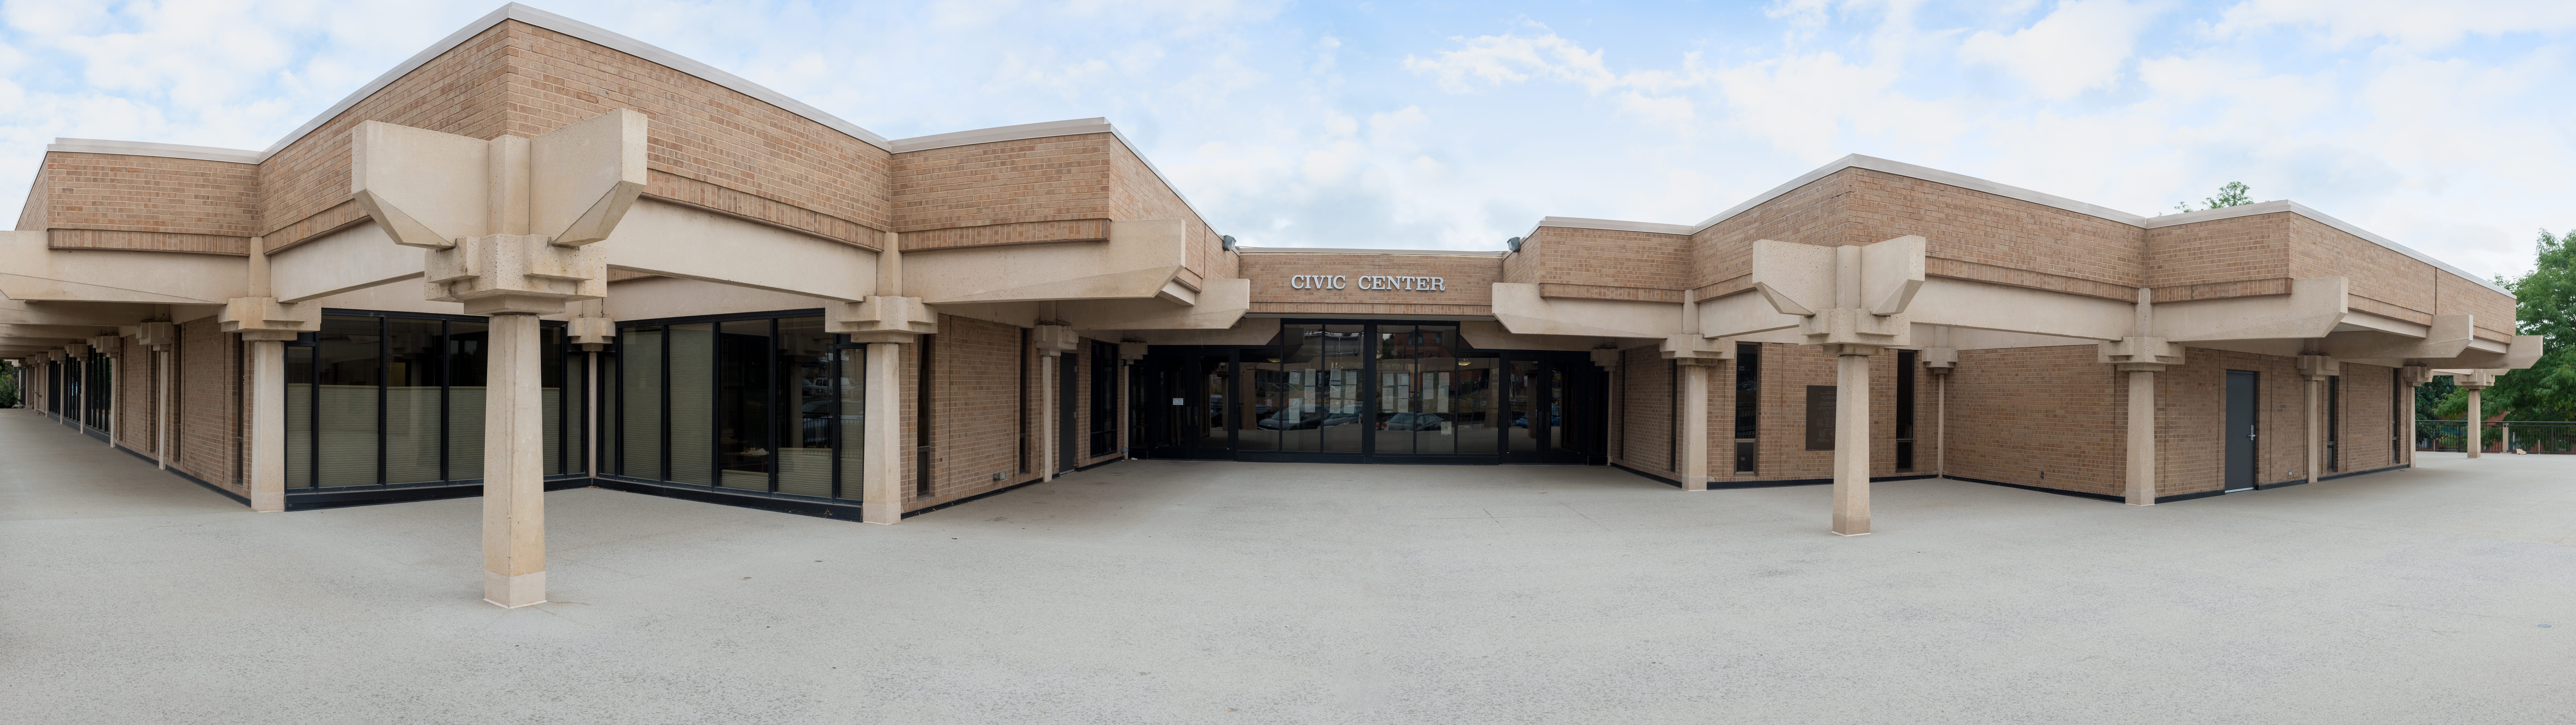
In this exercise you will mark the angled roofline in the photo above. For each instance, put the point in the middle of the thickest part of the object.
(1926, 173)
(639, 49)
(594, 34)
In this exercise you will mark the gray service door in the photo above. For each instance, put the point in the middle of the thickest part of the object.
(2240, 430)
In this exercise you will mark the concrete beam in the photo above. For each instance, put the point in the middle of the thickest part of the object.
(1137, 261)
(31, 270)
(678, 241)
(1220, 306)
(1522, 310)
(344, 261)
(2312, 309)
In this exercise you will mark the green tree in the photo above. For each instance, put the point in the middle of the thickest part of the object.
(2546, 306)
(2235, 193)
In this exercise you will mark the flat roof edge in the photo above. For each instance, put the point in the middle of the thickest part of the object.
(146, 148)
(1614, 225)
(1351, 250)
(1071, 127)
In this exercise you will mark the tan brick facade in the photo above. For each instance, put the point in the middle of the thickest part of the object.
(207, 424)
(1602, 264)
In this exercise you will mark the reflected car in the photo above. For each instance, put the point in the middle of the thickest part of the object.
(1295, 417)
(1414, 421)
(1347, 415)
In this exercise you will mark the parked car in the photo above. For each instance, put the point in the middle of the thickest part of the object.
(1295, 417)
(1414, 421)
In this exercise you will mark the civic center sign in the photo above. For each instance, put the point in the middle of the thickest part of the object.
(1367, 282)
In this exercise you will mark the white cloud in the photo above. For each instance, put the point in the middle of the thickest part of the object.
(2414, 25)
(2080, 46)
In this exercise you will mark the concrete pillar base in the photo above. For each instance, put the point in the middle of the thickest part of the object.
(514, 490)
(1694, 483)
(881, 498)
(1851, 443)
(513, 592)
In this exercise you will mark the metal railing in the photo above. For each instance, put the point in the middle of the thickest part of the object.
(2498, 436)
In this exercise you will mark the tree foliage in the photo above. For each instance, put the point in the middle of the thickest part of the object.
(2235, 193)
(2545, 306)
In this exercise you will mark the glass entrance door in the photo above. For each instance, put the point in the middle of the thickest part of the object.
(1186, 397)
(1371, 392)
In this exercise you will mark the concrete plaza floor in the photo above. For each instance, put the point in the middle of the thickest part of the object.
(1192, 592)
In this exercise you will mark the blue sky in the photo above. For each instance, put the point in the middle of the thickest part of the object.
(2450, 127)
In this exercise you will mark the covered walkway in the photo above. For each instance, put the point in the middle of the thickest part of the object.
(1160, 591)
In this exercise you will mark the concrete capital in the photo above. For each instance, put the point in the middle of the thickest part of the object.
(56, 355)
(1849, 326)
(1851, 349)
(266, 314)
(592, 330)
(2136, 354)
(2474, 379)
(881, 319)
(1131, 350)
(1691, 346)
(2319, 367)
(156, 334)
(526, 271)
(1606, 359)
(76, 350)
(2414, 375)
(1054, 340)
(1940, 360)
(107, 344)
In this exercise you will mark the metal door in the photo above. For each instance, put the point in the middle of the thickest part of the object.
(2241, 429)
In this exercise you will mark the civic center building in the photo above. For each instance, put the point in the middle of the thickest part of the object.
(540, 255)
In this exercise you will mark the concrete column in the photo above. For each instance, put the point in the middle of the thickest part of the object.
(267, 395)
(1694, 456)
(590, 413)
(881, 498)
(1851, 444)
(2317, 428)
(1048, 365)
(2475, 423)
(114, 402)
(514, 465)
(2406, 423)
(161, 391)
(2142, 438)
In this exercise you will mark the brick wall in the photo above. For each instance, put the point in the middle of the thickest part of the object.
(976, 386)
(1141, 194)
(1787, 370)
(2368, 418)
(114, 201)
(2219, 252)
(2402, 287)
(1004, 182)
(708, 145)
(460, 92)
(207, 430)
(1810, 214)
(2024, 412)
(2494, 311)
(133, 397)
(1981, 228)
(1646, 413)
(1603, 264)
